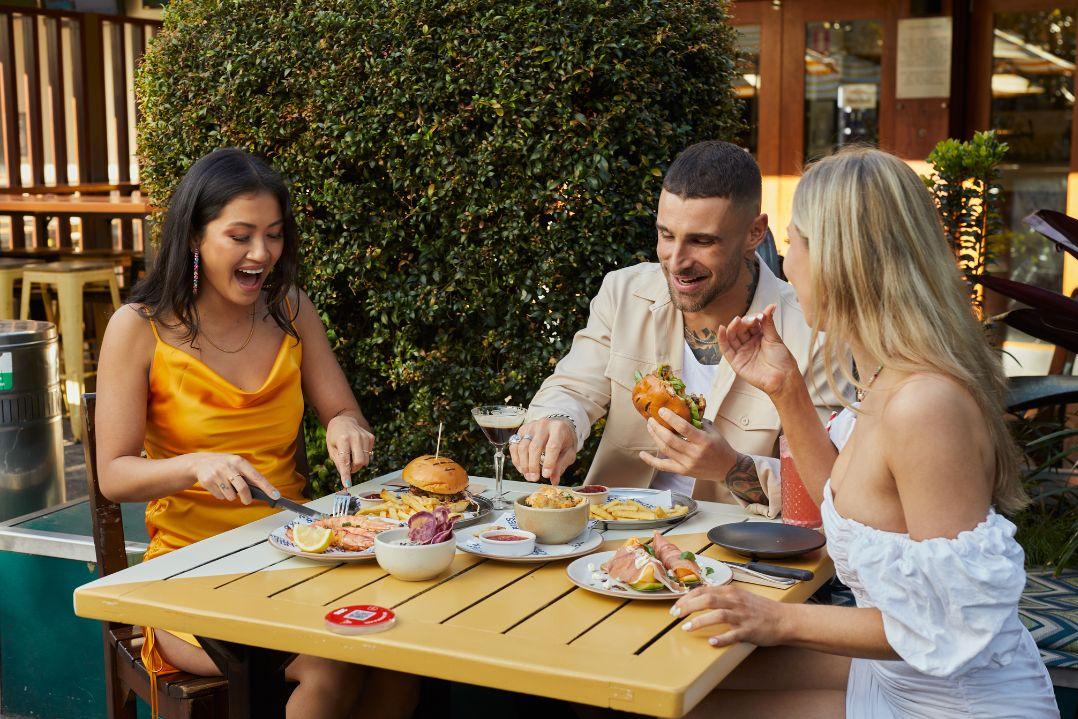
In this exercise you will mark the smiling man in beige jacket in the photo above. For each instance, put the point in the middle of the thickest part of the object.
(709, 226)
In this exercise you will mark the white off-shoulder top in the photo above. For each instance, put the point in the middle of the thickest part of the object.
(950, 611)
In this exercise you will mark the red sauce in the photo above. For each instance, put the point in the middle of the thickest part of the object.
(504, 537)
(591, 489)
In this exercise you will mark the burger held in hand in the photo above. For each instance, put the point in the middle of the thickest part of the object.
(662, 388)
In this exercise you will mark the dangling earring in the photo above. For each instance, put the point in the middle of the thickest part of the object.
(195, 282)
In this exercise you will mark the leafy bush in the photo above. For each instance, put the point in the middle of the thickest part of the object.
(465, 171)
(965, 184)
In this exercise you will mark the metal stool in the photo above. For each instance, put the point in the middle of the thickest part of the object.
(70, 279)
(10, 270)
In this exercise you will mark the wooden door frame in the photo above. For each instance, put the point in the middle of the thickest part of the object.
(979, 97)
(795, 16)
(769, 17)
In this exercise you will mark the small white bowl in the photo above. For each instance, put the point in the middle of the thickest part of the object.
(503, 548)
(412, 563)
(595, 494)
(374, 500)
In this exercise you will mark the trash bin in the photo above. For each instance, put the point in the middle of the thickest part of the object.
(31, 431)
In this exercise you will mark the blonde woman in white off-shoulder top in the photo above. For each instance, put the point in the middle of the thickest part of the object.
(913, 482)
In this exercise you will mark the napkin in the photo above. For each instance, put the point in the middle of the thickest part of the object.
(749, 576)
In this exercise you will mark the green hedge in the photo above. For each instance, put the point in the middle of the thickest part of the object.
(464, 171)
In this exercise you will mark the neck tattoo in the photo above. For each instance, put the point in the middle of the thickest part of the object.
(704, 343)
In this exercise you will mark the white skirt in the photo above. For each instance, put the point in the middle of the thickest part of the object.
(895, 690)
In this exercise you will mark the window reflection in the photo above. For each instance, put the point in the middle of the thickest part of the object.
(747, 85)
(842, 83)
(1033, 55)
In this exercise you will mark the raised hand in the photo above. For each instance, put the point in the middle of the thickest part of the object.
(699, 453)
(350, 446)
(756, 352)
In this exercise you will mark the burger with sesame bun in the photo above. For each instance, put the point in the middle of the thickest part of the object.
(438, 477)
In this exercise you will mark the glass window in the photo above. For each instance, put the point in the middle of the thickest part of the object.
(842, 84)
(747, 84)
(1033, 56)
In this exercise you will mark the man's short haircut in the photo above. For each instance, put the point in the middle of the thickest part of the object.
(714, 168)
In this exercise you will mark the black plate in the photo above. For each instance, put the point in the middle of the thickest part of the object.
(766, 540)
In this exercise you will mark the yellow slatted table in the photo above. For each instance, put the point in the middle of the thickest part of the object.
(517, 627)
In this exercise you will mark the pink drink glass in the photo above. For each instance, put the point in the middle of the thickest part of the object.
(797, 506)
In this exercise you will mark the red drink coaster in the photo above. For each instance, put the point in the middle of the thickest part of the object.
(360, 619)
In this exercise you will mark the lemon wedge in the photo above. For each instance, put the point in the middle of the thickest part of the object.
(309, 538)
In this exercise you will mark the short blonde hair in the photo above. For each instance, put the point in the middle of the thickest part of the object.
(884, 276)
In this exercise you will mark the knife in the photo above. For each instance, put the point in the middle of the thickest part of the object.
(801, 575)
(282, 503)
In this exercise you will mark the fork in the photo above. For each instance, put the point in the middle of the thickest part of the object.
(342, 505)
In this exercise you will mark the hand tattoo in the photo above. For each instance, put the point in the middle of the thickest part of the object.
(743, 482)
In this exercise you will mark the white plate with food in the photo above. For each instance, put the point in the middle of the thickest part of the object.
(349, 539)
(504, 540)
(653, 569)
(633, 508)
(431, 482)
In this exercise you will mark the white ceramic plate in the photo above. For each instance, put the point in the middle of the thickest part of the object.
(586, 541)
(279, 539)
(585, 578)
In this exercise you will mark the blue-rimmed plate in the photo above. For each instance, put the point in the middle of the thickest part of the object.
(279, 539)
(586, 541)
(647, 497)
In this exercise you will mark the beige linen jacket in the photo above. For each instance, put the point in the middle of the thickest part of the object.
(635, 326)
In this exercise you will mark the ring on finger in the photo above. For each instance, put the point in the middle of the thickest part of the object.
(515, 439)
(542, 458)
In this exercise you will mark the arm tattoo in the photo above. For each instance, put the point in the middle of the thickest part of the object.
(704, 345)
(743, 482)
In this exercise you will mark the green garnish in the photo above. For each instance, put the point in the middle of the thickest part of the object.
(696, 421)
(709, 570)
(648, 549)
(688, 555)
(637, 376)
(677, 384)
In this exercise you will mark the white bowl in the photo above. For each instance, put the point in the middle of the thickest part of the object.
(412, 563)
(375, 501)
(521, 548)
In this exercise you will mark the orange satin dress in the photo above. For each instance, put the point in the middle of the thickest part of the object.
(191, 409)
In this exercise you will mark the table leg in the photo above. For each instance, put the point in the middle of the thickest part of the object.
(256, 686)
(71, 341)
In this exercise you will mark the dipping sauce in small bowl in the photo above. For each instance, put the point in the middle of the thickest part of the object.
(594, 493)
(371, 499)
(508, 542)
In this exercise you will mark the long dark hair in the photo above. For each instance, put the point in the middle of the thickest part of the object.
(167, 291)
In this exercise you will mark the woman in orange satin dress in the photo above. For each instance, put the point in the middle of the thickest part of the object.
(200, 393)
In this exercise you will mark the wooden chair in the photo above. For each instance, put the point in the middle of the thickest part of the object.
(181, 695)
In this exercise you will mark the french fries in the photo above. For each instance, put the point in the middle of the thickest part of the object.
(630, 510)
(401, 506)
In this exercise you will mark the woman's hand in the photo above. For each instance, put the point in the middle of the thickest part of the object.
(350, 444)
(734, 615)
(755, 351)
(701, 453)
(226, 476)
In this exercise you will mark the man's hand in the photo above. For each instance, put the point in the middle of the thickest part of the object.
(701, 453)
(547, 447)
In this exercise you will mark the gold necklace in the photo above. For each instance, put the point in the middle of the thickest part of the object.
(862, 392)
(242, 347)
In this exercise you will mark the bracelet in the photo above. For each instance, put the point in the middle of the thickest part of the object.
(567, 418)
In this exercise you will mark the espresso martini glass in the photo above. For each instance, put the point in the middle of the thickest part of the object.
(499, 422)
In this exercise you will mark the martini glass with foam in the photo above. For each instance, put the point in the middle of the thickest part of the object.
(499, 422)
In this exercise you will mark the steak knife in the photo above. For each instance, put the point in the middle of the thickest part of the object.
(282, 503)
